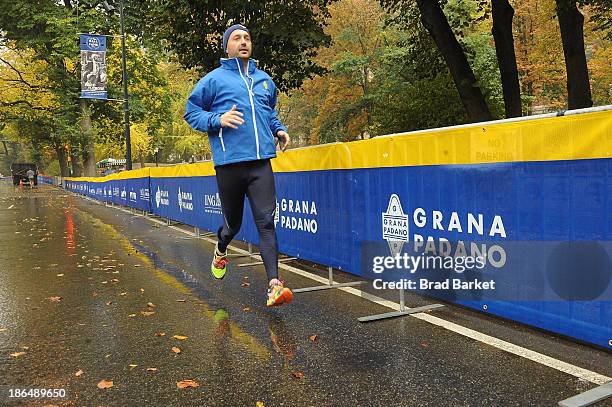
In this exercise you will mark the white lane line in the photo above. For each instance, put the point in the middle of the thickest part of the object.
(532, 355)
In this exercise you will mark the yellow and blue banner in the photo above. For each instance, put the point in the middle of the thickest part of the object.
(544, 183)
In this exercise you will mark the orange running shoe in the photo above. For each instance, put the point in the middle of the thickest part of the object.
(278, 294)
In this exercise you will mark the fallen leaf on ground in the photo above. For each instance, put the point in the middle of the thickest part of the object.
(424, 344)
(312, 338)
(136, 265)
(260, 404)
(183, 384)
(180, 337)
(245, 284)
(246, 309)
(109, 303)
(105, 384)
(122, 293)
(132, 366)
(25, 347)
(79, 373)
(147, 313)
(17, 354)
(297, 375)
(160, 334)
(3, 329)
(60, 275)
(142, 290)
(11, 207)
(151, 369)
(115, 280)
(131, 315)
(55, 299)
(150, 305)
(176, 350)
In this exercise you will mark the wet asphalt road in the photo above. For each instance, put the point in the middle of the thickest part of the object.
(128, 286)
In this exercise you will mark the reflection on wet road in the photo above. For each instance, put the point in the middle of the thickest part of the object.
(89, 293)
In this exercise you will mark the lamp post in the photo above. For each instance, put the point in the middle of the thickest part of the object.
(126, 106)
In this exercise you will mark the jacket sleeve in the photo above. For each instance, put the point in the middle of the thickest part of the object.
(197, 111)
(275, 124)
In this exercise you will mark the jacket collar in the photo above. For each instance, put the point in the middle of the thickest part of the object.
(235, 64)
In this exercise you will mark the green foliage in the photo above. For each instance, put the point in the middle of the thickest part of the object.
(285, 32)
(415, 90)
(480, 51)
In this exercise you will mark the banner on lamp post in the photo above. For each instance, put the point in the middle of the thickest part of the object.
(93, 66)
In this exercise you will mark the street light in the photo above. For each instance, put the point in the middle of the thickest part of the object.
(126, 105)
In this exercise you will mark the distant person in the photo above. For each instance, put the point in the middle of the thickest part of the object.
(30, 174)
(235, 104)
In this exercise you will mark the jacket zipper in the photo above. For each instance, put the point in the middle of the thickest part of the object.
(221, 137)
(250, 90)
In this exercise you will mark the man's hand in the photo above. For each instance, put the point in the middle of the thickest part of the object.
(282, 138)
(232, 118)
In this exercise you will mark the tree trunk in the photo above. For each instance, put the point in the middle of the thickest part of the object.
(503, 14)
(5, 148)
(142, 161)
(436, 23)
(571, 25)
(61, 158)
(89, 155)
(74, 161)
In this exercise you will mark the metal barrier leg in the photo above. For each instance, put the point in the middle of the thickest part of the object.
(589, 397)
(257, 263)
(251, 254)
(330, 284)
(403, 311)
(196, 232)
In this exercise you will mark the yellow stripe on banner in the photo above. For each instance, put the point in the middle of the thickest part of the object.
(139, 173)
(574, 137)
(582, 136)
(184, 170)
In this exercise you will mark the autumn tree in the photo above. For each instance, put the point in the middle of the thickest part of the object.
(571, 23)
(285, 33)
(436, 23)
(503, 14)
(29, 106)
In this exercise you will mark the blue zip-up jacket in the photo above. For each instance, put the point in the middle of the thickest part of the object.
(254, 94)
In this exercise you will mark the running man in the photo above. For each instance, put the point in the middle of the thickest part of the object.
(30, 174)
(235, 104)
